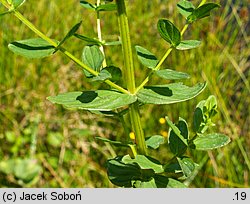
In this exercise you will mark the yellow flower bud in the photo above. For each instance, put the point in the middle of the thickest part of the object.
(164, 133)
(162, 121)
(132, 135)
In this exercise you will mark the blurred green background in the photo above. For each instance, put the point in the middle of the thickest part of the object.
(44, 145)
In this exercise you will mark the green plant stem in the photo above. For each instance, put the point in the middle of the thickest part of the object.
(137, 128)
(53, 43)
(99, 33)
(124, 125)
(126, 46)
(155, 69)
(133, 149)
(202, 2)
(146, 80)
(127, 131)
(129, 75)
(184, 29)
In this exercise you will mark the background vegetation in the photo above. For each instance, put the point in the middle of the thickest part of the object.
(43, 145)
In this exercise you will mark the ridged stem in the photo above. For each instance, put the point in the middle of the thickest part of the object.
(129, 73)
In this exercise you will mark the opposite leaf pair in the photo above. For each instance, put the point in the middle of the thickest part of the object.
(188, 10)
(144, 171)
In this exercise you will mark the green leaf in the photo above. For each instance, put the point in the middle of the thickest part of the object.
(181, 129)
(159, 181)
(202, 12)
(88, 5)
(115, 143)
(171, 74)
(102, 7)
(204, 113)
(70, 33)
(168, 94)
(107, 7)
(211, 105)
(145, 184)
(155, 141)
(173, 168)
(178, 137)
(92, 57)
(146, 57)
(185, 8)
(210, 141)
(144, 162)
(115, 72)
(187, 166)
(122, 174)
(169, 32)
(32, 48)
(17, 3)
(188, 44)
(102, 76)
(198, 119)
(90, 41)
(165, 182)
(102, 100)
(138, 172)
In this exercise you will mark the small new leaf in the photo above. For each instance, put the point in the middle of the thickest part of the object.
(202, 12)
(146, 57)
(204, 113)
(15, 3)
(102, 76)
(188, 44)
(185, 8)
(88, 5)
(155, 141)
(115, 72)
(187, 166)
(92, 57)
(90, 41)
(169, 32)
(70, 33)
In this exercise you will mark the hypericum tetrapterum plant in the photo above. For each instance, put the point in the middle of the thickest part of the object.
(136, 169)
